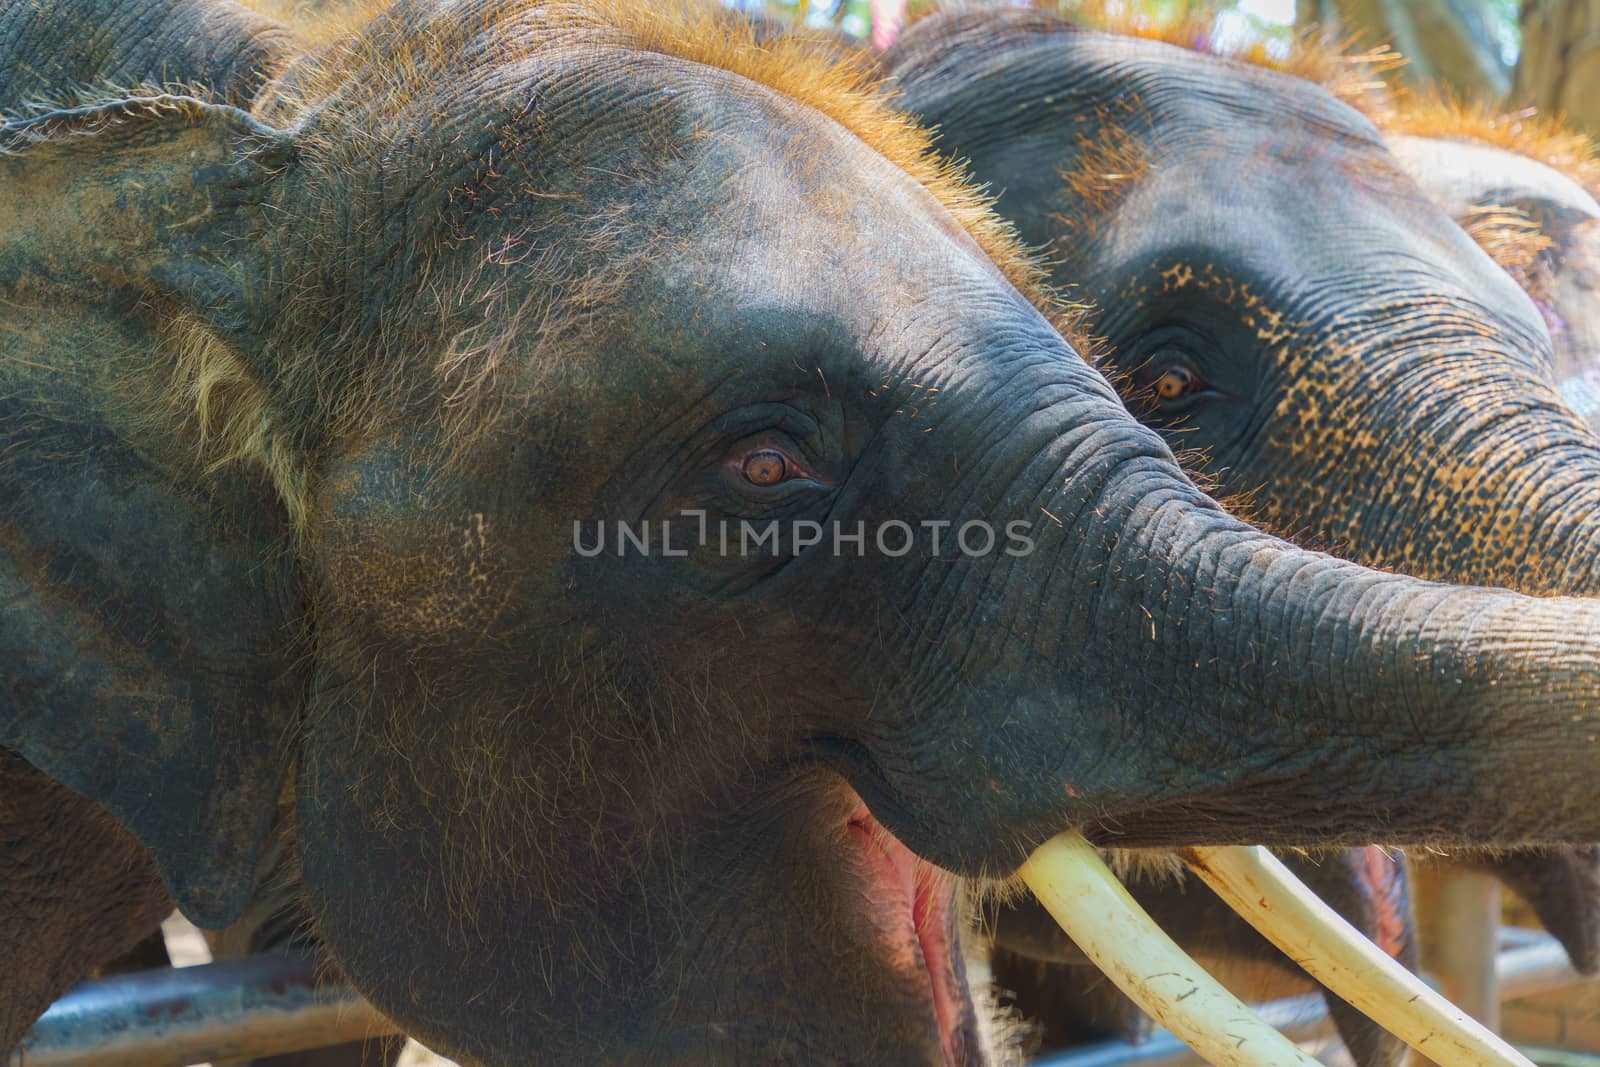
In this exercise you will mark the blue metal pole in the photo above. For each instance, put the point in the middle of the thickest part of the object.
(216, 1011)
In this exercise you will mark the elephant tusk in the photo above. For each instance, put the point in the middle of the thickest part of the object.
(1074, 884)
(1276, 903)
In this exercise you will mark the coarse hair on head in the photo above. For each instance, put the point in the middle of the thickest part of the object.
(359, 96)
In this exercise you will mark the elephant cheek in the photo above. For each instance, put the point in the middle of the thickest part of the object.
(425, 562)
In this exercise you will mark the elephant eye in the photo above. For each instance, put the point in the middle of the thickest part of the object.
(765, 467)
(1174, 382)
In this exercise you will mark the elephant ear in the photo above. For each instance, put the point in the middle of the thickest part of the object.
(150, 612)
(1463, 177)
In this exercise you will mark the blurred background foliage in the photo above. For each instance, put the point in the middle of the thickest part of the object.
(1540, 54)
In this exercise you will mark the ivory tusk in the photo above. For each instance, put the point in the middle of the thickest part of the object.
(1074, 884)
(1275, 902)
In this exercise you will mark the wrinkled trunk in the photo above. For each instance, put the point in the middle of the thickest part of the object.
(1429, 714)
(1314, 702)
(1456, 462)
(1540, 526)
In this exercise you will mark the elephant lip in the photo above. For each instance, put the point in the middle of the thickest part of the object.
(913, 903)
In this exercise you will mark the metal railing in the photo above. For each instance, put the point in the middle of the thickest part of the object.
(211, 1012)
(273, 1004)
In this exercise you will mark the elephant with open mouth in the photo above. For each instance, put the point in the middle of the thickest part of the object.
(1283, 303)
(658, 585)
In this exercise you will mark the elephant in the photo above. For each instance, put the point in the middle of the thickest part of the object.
(227, 52)
(453, 449)
(1542, 223)
(1524, 195)
(1286, 307)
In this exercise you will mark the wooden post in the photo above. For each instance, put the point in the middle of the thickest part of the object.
(1458, 914)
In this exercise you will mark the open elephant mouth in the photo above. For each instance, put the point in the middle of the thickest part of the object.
(1381, 878)
(913, 906)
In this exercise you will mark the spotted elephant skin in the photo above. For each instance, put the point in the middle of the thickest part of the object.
(314, 412)
(1287, 307)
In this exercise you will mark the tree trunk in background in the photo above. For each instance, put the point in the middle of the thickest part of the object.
(1448, 42)
(1559, 72)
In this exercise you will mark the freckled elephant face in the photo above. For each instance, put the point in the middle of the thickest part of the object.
(1278, 298)
(1532, 210)
(1304, 321)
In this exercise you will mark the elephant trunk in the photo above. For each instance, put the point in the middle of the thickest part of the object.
(1471, 470)
(1440, 714)
(1548, 542)
(1211, 685)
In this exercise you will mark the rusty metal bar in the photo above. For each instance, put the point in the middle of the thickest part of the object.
(216, 1011)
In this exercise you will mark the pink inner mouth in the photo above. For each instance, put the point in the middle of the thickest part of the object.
(914, 903)
(1387, 888)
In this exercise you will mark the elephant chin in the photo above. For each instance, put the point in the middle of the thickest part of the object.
(912, 905)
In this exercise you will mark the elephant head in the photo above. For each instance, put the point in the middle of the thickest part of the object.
(1282, 302)
(1277, 295)
(659, 580)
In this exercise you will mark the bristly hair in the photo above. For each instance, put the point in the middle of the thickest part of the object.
(318, 21)
(1517, 244)
(355, 59)
(1356, 77)
(1542, 138)
(222, 406)
(845, 87)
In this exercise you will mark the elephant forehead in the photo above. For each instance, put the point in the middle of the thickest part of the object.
(1177, 87)
(514, 64)
(779, 216)
(589, 157)
(1298, 186)
(1303, 214)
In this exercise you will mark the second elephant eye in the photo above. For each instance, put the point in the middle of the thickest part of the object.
(1174, 381)
(765, 467)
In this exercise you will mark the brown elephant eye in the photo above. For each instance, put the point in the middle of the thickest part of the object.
(1175, 383)
(766, 467)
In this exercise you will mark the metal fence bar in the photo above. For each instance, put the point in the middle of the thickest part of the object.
(272, 1004)
(216, 1011)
